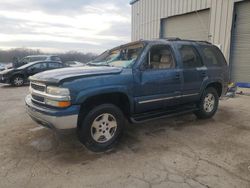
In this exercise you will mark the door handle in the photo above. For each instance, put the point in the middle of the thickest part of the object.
(177, 76)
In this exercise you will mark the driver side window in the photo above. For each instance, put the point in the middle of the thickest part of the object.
(38, 66)
(159, 57)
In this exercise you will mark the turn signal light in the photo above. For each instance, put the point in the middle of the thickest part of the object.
(61, 104)
(64, 104)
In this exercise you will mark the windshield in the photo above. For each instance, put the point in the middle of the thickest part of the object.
(25, 66)
(122, 57)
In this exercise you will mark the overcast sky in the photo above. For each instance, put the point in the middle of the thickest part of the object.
(63, 25)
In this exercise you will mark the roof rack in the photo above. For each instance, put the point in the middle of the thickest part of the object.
(171, 38)
(188, 40)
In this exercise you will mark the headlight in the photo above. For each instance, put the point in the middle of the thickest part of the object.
(58, 91)
(60, 97)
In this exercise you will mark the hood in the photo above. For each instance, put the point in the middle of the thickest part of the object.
(6, 71)
(58, 75)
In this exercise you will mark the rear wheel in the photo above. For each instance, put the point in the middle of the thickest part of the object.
(17, 80)
(208, 104)
(101, 127)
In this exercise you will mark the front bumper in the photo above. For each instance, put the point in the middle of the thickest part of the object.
(59, 119)
(4, 80)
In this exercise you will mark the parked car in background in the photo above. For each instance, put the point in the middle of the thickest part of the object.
(2, 66)
(139, 81)
(74, 64)
(19, 76)
(32, 58)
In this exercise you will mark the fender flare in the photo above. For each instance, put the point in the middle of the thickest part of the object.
(86, 94)
(207, 82)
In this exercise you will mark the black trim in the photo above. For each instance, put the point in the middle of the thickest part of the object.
(144, 117)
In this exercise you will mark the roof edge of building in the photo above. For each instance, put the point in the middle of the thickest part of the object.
(133, 2)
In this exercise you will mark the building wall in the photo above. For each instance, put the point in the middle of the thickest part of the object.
(147, 15)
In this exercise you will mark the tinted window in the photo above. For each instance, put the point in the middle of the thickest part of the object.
(39, 66)
(213, 57)
(159, 57)
(25, 60)
(55, 58)
(37, 59)
(32, 59)
(190, 57)
(54, 65)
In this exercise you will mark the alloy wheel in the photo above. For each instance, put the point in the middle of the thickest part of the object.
(103, 128)
(18, 81)
(209, 103)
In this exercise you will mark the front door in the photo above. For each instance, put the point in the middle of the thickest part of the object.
(158, 83)
(36, 68)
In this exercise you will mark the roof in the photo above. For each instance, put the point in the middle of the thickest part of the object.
(133, 1)
(176, 40)
(144, 41)
(35, 62)
(40, 55)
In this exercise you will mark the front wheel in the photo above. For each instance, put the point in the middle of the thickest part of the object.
(101, 127)
(208, 104)
(17, 81)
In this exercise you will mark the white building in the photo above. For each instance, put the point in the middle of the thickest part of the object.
(225, 23)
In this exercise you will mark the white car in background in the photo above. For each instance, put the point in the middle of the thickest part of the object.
(2, 66)
(74, 64)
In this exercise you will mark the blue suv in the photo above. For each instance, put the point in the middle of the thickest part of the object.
(139, 81)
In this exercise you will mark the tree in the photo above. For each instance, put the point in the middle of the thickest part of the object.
(11, 55)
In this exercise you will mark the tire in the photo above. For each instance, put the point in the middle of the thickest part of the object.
(17, 81)
(101, 127)
(208, 104)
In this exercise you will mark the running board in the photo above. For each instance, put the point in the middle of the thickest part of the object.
(144, 117)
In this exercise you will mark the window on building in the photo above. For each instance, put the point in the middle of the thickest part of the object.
(190, 57)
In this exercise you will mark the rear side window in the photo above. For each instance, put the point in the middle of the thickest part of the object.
(190, 57)
(55, 65)
(212, 56)
(55, 58)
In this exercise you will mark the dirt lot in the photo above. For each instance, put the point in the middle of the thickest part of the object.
(177, 152)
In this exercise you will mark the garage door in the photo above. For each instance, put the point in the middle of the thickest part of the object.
(240, 61)
(187, 26)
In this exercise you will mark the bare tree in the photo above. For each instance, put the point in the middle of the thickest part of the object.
(13, 55)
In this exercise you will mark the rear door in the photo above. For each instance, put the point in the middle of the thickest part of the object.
(216, 63)
(194, 72)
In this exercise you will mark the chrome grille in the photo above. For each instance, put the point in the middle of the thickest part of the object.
(37, 98)
(38, 87)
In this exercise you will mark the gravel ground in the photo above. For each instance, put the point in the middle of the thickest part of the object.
(177, 152)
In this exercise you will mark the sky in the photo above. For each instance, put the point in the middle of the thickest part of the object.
(64, 25)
